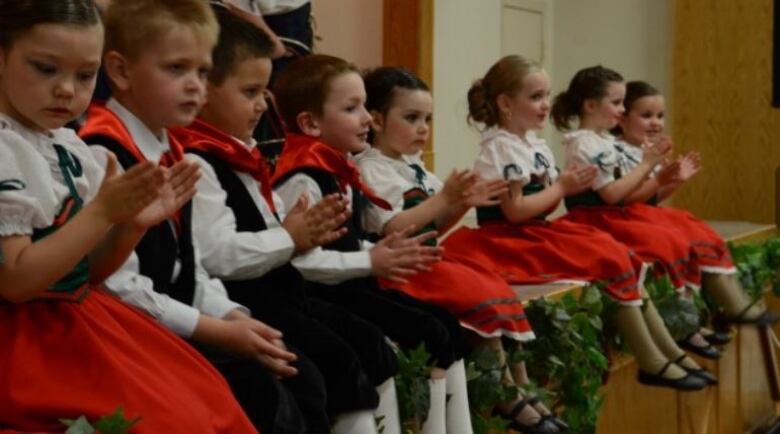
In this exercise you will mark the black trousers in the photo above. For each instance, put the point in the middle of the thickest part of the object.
(352, 355)
(407, 321)
(290, 406)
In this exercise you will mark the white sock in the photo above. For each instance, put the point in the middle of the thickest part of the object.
(436, 422)
(458, 414)
(388, 408)
(358, 422)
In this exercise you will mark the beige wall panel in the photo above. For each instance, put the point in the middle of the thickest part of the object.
(721, 90)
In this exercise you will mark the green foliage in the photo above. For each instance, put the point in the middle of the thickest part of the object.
(567, 355)
(566, 358)
(414, 393)
(758, 265)
(680, 314)
(115, 423)
(484, 373)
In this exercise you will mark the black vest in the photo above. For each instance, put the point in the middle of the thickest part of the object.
(328, 184)
(281, 283)
(159, 248)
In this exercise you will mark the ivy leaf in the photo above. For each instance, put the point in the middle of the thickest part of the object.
(115, 423)
(78, 426)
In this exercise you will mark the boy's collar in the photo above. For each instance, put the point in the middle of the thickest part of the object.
(151, 146)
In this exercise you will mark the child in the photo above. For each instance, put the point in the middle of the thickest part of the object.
(321, 101)
(595, 96)
(643, 121)
(516, 239)
(400, 105)
(65, 224)
(248, 242)
(157, 55)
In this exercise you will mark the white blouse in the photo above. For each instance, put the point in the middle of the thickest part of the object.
(391, 179)
(586, 147)
(32, 185)
(503, 155)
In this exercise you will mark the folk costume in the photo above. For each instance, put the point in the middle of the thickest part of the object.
(165, 278)
(482, 300)
(540, 250)
(236, 219)
(76, 350)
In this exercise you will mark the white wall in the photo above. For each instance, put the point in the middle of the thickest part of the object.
(351, 29)
(631, 36)
(466, 41)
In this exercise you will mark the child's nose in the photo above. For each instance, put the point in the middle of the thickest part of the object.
(65, 89)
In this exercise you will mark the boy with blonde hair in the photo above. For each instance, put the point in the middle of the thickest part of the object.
(157, 56)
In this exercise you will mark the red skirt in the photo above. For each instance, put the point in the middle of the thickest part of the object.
(481, 300)
(707, 247)
(549, 251)
(644, 230)
(64, 359)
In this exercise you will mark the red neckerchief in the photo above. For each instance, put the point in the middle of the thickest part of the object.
(207, 138)
(301, 152)
(101, 121)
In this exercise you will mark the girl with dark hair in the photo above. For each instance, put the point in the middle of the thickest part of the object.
(400, 104)
(70, 349)
(615, 203)
(517, 240)
(643, 122)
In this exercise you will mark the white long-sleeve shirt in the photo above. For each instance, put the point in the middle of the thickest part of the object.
(210, 297)
(329, 267)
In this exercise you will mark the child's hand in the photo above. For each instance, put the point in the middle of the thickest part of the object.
(485, 193)
(690, 164)
(669, 173)
(577, 178)
(318, 225)
(250, 338)
(122, 196)
(178, 190)
(397, 255)
(656, 152)
(457, 184)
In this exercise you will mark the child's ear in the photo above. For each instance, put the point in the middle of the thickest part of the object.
(589, 106)
(117, 69)
(308, 124)
(377, 121)
(503, 102)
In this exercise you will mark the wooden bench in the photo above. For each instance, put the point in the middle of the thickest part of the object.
(741, 403)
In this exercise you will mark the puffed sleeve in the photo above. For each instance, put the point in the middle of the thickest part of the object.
(588, 148)
(502, 157)
(25, 201)
(389, 185)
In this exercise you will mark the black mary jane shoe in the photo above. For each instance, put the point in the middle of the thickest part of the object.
(562, 426)
(700, 372)
(688, 383)
(717, 338)
(708, 352)
(543, 426)
(766, 318)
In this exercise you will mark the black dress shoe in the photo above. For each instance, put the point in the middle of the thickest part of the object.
(542, 426)
(708, 352)
(690, 382)
(767, 318)
(562, 426)
(718, 338)
(704, 375)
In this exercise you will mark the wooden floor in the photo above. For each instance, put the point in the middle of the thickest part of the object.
(741, 403)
